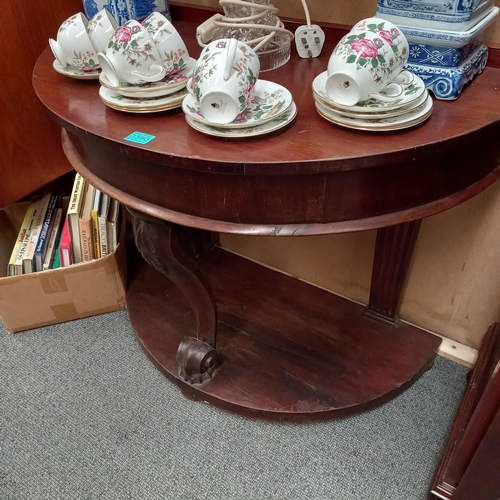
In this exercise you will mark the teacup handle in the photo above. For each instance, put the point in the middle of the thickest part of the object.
(108, 69)
(151, 78)
(390, 92)
(57, 52)
(404, 78)
(189, 86)
(231, 53)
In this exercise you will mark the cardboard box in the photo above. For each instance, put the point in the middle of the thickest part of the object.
(57, 295)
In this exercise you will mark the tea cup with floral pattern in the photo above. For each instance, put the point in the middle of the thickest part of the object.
(100, 28)
(173, 51)
(73, 47)
(366, 61)
(224, 79)
(131, 56)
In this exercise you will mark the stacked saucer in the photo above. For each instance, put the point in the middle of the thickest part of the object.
(270, 109)
(401, 110)
(152, 97)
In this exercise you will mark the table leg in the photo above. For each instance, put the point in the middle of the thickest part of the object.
(393, 251)
(286, 350)
(166, 247)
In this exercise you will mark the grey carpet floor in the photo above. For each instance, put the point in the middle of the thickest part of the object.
(85, 415)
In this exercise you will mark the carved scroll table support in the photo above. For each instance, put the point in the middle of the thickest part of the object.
(166, 247)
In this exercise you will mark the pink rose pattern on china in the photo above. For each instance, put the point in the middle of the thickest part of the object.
(84, 61)
(128, 41)
(206, 66)
(259, 107)
(124, 34)
(380, 54)
(367, 48)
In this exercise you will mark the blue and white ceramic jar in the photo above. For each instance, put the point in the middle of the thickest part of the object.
(435, 14)
(124, 10)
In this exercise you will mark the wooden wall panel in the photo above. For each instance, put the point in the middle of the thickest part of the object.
(453, 285)
(31, 154)
(340, 12)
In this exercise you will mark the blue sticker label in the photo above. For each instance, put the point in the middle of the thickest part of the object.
(139, 137)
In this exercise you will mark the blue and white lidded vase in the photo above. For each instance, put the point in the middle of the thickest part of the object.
(124, 10)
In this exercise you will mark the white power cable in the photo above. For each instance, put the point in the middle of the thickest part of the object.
(306, 12)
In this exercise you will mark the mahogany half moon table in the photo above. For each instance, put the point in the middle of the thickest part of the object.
(236, 334)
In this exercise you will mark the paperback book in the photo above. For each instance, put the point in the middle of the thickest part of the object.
(74, 209)
(15, 261)
(53, 243)
(47, 229)
(29, 253)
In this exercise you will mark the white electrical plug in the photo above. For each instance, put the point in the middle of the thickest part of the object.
(309, 40)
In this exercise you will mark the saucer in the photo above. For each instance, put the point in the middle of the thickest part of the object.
(140, 104)
(409, 119)
(75, 73)
(269, 101)
(376, 113)
(410, 93)
(264, 128)
(168, 85)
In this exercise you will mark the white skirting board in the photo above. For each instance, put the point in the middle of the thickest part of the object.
(455, 351)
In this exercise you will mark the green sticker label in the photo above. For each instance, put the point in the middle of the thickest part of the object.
(139, 137)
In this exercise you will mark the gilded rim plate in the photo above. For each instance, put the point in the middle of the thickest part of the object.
(155, 89)
(410, 94)
(265, 128)
(145, 110)
(130, 103)
(269, 101)
(75, 73)
(381, 114)
(418, 115)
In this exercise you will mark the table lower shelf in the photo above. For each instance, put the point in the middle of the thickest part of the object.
(290, 351)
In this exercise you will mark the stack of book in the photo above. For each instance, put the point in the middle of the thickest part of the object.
(51, 237)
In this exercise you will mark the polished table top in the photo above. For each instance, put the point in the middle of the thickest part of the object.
(314, 177)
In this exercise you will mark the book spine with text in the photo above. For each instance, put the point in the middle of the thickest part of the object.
(86, 239)
(53, 240)
(95, 223)
(28, 257)
(75, 204)
(112, 225)
(47, 227)
(11, 270)
(18, 265)
(103, 230)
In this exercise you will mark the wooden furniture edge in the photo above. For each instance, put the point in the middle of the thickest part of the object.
(367, 223)
(198, 14)
(478, 377)
(479, 480)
